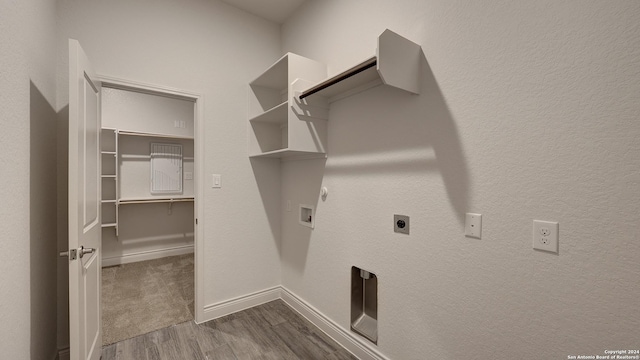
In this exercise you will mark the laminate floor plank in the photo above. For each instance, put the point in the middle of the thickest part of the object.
(223, 352)
(153, 353)
(271, 331)
(341, 355)
(167, 350)
(305, 327)
(300, 343)
(269, 312)
(208, 338)
(109, 352)
(240, 340)
(135, 349)
(187, 344)
(265, 337)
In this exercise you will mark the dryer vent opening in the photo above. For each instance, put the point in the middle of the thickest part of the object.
(364, 303)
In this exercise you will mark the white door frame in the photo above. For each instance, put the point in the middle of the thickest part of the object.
(198, 145)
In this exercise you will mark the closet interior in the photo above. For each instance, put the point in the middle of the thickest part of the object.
(147, 143)
(147, 149)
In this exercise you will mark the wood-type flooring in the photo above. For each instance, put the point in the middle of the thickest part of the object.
(268, 331)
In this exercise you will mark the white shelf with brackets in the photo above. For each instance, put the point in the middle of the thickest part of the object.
(396, 63)
(280, 125)
(116, 156)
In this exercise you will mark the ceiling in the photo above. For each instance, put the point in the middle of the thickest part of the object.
(274, 10)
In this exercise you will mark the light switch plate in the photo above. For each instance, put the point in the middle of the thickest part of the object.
(473, 225)
(216, 181)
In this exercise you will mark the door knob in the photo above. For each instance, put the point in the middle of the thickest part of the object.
(74, 253)
(83, 251)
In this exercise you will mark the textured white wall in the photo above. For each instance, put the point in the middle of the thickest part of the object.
(529, 111)
(211, 48)
(27, 222)
(136, 111)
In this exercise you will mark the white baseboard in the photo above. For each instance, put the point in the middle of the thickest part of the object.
(353, 343)
(231, 306)
(146, 255)
(350, 341)
(63, 354)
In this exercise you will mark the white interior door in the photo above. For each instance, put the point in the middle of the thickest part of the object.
(84, 208)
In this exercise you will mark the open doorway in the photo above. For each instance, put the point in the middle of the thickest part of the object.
(149, 154)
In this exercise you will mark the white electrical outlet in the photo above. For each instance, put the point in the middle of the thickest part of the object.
(473, 225)
(545, 235)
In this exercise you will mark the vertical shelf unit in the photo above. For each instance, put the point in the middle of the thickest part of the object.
(280, 125)
(109, 174)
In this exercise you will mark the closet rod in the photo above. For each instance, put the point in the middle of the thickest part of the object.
(369, 63)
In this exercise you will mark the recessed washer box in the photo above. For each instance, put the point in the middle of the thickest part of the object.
(306, 215)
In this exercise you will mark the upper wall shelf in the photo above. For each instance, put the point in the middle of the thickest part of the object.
(144, 134)
(156, 200)
(396, 63)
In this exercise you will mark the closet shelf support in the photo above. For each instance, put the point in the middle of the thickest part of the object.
(369, 63)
